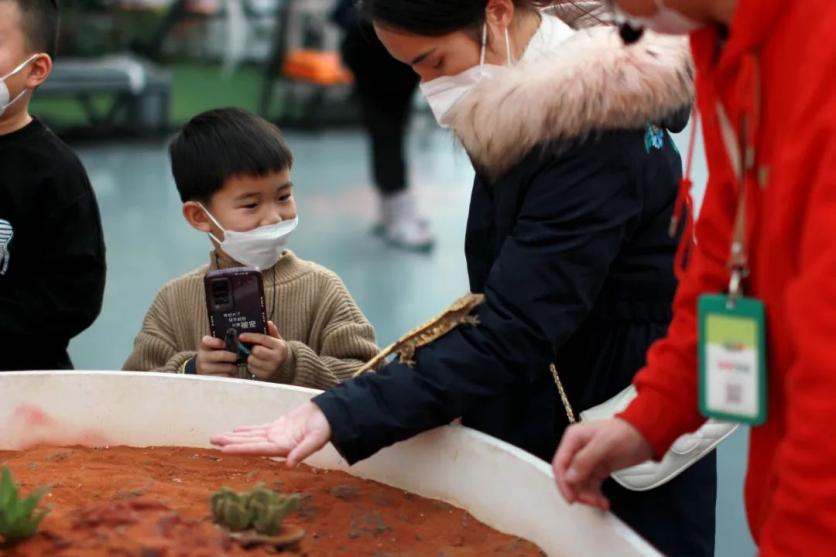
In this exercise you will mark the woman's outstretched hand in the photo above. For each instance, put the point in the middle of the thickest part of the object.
(296, 435)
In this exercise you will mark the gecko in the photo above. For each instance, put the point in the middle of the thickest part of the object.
(458, 313)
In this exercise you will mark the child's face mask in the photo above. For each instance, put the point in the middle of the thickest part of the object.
(261, 247)
(5, 95)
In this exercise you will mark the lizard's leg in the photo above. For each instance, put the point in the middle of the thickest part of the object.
(407, 355)
(471, 320)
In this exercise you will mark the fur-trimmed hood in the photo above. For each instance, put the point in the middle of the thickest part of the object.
(592, 83)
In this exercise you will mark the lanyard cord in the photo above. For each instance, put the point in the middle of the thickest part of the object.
(275, 293)
(742, 155)
(684, 206)
(683, 198)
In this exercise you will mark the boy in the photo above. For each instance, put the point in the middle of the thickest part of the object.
(232, 170)
(52, 254)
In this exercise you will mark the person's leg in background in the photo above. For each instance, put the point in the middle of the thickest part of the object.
(384, 89)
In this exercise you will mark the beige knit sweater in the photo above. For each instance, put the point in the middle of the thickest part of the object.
(327, 335)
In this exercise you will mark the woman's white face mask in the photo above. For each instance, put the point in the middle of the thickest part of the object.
(444, 92)
(665, 20)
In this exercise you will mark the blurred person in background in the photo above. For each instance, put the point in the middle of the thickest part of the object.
(384, 89)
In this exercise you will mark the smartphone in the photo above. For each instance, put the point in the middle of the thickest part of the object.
(235, 304)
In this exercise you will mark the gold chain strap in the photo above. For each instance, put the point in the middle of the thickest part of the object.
(568, 407)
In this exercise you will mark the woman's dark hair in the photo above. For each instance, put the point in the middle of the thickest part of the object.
(221, 144)
(433, 18)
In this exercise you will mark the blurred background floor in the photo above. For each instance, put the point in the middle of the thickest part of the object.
(149, 243)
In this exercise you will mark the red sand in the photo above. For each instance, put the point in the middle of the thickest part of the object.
(130, 502)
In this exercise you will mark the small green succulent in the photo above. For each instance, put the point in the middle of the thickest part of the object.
(269, 509)
(19, 518)
(230, 510)
(260, 508)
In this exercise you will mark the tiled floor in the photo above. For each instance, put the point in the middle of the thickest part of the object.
(149, 243)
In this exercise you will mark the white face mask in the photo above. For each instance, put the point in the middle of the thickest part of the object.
(665, 20)
(442, 93)
(261, 247)
(5, 94)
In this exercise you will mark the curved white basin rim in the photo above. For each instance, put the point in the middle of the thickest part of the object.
(499, 484)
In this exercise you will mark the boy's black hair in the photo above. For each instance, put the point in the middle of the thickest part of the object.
(39, 20)
(220, 144)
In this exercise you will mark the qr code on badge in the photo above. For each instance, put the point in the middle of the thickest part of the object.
(734, 393)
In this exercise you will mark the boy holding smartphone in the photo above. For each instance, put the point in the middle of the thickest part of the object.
(232, 170)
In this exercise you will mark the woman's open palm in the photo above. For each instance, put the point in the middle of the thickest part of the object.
(296, 435)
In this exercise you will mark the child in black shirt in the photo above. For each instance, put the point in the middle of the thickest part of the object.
(52, 254)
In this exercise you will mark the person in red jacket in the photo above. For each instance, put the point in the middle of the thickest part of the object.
(765, 82)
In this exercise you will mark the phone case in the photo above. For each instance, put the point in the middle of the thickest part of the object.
(235, 304)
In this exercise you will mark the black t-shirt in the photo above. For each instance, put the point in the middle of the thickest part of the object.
(52, 253)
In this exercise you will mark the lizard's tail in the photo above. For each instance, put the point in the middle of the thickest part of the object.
(371, 364)
(363, 369)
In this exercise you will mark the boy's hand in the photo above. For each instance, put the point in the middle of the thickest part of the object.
(213, 359)
(268, 354)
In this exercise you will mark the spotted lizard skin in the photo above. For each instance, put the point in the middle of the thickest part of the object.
(458, 313)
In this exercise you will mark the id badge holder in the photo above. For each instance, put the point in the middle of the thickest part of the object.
(732, 328)
(732, 358)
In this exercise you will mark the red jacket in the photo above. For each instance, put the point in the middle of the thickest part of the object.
(791, 479)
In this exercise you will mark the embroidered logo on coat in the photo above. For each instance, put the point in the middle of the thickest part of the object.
(654, 138)
(6, 235)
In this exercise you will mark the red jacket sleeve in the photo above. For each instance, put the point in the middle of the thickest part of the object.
(667, 403)
(801, 519)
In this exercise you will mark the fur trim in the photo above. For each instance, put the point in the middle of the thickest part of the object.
(592, 84)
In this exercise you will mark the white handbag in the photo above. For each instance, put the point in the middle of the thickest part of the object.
(685, 451)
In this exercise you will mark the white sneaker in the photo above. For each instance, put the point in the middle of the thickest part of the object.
(400, 226)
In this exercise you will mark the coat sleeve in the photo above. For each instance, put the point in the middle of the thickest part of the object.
(545, 280)
(345, 344)
(66, 296)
